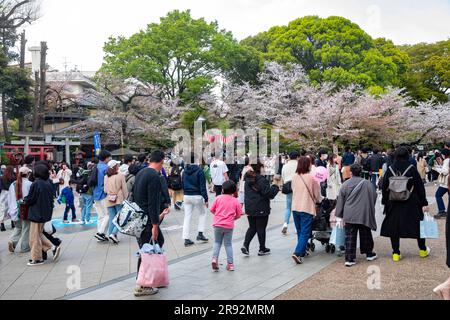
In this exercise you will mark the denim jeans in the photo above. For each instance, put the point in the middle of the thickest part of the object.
(66, 211)
(225, 236)
(373, 179)
(440, 192)
(113, 211)
(88, 202)
(287, 214)
(303, 223)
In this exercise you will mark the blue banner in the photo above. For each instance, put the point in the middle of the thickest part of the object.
(97, 143)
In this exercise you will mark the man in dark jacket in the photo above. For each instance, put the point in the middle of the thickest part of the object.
(195, 197)
(148, 195)
(375, 163)
(40, 203)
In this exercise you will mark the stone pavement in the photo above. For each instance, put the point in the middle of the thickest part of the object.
(108, 272)
(255, 277)
(98, 263)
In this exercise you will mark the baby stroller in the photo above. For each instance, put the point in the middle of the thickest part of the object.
(321, 229)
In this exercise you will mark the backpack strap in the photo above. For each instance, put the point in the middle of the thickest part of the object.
(406, 171)
(392, 170)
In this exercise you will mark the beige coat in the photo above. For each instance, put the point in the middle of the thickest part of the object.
(301, 198)
(116, 185)
(422, 168)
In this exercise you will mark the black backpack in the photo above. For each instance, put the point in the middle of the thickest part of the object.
(92, 180)
(82, 184)
(174, 180)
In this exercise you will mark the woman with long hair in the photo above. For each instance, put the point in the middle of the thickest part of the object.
(5, 182)
(306, 195)
(258, 193)
(117, 191)
(402, 220)
(334, 180)
(19, 212)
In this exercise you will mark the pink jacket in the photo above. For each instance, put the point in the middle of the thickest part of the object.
(226, 210)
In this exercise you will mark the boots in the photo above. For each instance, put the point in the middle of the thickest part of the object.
(2, 227)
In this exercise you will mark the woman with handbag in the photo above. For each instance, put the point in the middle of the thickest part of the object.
(19, 212)
(117, 191)
(258, 193)
(305, 199)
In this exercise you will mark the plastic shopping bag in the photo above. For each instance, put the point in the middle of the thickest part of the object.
(429, 227)
(154, 271)
(337, 237)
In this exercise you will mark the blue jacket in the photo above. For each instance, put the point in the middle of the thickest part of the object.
(348, 159)
(194, 182)
(67, 193)
(99, 191)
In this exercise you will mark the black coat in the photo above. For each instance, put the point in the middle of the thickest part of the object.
(403, 218)
(258, 196)
(40, 201)
(376, 162)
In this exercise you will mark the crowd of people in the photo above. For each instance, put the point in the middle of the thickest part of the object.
(156, 183)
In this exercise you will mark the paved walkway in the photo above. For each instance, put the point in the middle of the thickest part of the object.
(255, 277)
(108, 272)
(98, 263)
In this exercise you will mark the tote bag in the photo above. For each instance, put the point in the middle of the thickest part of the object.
(338, 236)
(429, 228)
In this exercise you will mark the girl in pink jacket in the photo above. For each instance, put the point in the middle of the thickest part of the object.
(226, 209)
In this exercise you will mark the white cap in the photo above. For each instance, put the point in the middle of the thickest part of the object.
(113, 163)
(24, 170)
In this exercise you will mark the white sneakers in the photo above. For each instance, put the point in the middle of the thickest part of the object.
(285, 229)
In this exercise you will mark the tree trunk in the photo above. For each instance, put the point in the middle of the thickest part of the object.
(23, 42)
(36, 103)
(43, 87)
(5, 119)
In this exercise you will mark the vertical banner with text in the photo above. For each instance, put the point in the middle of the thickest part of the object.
(97, 143)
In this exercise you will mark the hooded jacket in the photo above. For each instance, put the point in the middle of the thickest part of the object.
(258, 196)
(194, 182)
(40, 201)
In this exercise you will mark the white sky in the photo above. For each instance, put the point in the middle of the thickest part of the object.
(75, 30)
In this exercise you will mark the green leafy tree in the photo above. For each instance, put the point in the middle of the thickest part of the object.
(181, 54)
(429, 73)
(333, 50)
(15, 87)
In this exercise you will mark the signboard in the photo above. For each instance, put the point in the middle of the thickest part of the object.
(420, 148)
(97, 143)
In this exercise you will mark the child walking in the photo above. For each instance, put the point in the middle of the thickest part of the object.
(68, 198)
(226, 209)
